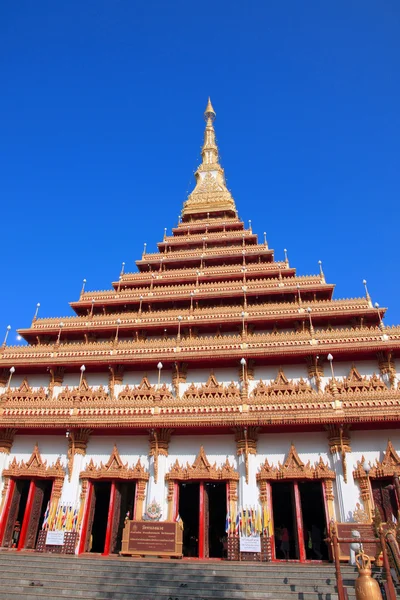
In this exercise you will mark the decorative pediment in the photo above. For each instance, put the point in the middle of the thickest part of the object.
(212, 392)
(24, 394)
(84, 394)
(202, 470)
(387, 467)
(114, 469)
(294, 468)
(355, 383)
(282, 390)
(144, 394)
(35, 467)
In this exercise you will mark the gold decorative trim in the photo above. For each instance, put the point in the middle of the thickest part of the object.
(294, 468)
(37, 467)
(77, 444)
(246, 443)
(7, 439)
(159, 444)
(114, 469)
(202, 470)
(339, 442)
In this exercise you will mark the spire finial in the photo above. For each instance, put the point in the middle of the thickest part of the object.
(210, 194)
(209, 113)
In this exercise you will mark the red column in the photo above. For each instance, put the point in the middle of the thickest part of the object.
(176, 501)
(201, 520)
(299, 522)
(85, 520)
(109, 520)
(27, 515)
(271, 529)
(6, 508)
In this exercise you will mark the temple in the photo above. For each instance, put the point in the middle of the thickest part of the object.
(215, 387)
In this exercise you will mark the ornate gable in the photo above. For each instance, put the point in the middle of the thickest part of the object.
(387, 467)
(114, 469)
(202, 470)
(282, 390)
(212, 392)
(294, 468)
(144, 394)
(84, 394)
(35, 467)
(355, 383)
(24, 394)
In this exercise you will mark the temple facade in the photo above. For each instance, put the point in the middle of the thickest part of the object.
(214, 386)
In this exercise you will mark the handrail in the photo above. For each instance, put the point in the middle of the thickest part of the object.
(335, 540)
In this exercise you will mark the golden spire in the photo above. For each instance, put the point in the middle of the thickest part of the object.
(210, 194)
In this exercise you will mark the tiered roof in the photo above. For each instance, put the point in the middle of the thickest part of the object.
(210, 295)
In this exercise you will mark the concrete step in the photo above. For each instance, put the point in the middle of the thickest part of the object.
(100, 578)
(154, 585)
(109, 577)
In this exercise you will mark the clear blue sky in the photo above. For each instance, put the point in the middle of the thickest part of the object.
(101, 126)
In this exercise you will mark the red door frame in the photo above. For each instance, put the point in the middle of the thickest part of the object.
(27, 515)
(85, 520)
(110, 515)
(299, 523)
(201, 520)
(6, 508)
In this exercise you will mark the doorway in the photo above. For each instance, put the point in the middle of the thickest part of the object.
(299, 520)
(189, 512)
(202, 507)
(123, 508)
(314, 520)
(285, 524)
(101, 496)
(217, 508)
(26, 512)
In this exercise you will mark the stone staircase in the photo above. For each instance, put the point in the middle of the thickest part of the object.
(31, 576)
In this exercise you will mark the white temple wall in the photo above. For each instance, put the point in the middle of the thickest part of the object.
(372, 446)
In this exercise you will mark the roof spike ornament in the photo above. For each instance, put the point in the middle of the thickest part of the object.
(368, 297)
(210, 195)
(321, 271)
(36, 312)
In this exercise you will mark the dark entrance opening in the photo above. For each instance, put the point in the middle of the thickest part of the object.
(127, 491)
(102, 493)
(285, 524)
(217, 538)
(44, 488)
(189, 504)
(314, 521)
(22, 489)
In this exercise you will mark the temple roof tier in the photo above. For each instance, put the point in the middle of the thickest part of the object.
(206, 291)
(202, 226)
(214, 240)
(346, 341)
(222, 273)
(208, 253)
(203, 319)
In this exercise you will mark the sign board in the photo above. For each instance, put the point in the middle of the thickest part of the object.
(146, 538)
(250, 544)
(55, 538)
(366, 530)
